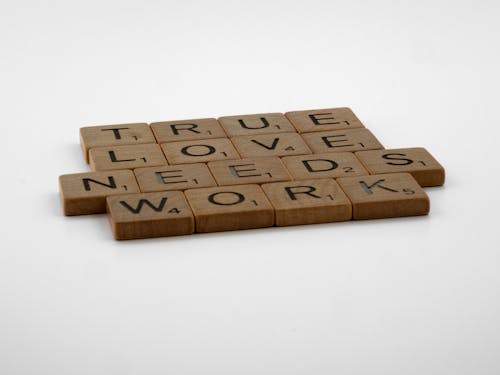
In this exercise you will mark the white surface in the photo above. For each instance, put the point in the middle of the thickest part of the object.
(403, 296)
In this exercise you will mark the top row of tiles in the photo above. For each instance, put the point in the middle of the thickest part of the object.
(227, 126)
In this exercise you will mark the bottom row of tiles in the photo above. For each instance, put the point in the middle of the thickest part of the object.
(224, 208)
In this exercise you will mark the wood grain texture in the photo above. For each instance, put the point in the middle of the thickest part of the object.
(200, 151)
(228, 208)
(262, 123)
(249, 171)
(85, 193)
(326, 165)
(385, 195)
(308, 202)
(417, 161)
(281, 144)
(126, 157)
(342, 141)
(114, 135)
(315, 120)
(187, 130)
(174, 177)
(147, 215)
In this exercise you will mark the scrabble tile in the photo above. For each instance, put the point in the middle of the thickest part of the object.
(187, 130)
(114, 135)
(226, 208)
(282, 144)
(85, 193)
(174, 177)
(316, 120)
(249, 171)
(326, 165)
(417, 161)
(308, 202)
(262, 123)
(200, 151)
(385, 195)
(126, 157)
(147, 215)
(342, 141)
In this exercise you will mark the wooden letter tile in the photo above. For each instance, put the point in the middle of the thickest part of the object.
(282, 144)
(126, 157)
(316, 120)
(417, 161)
(200, 151)
(262, 123)
(230, 208)
(114, 135)
(342, 141)
(147, 215)
(308, 202)
(174, 177)
(327, 165)
(85, 193)
(385, 195)
(249, 171)
(187, 130)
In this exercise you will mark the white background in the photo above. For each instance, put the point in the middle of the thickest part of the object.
(396, 296)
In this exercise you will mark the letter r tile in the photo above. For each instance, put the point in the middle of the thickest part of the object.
(187, 130)
(308, 202)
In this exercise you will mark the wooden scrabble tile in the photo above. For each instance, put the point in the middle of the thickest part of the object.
(147, 215)
(200, 151)
(342, 141)
(326, 165)
(85, 193)
(262, 123)
(308, 202)
(187, 130)
(174, 177)
(126, 157)
(281, 144)
(249, 171)
(315, 120)
(385, 195)
(114, 135)
(417, 161)
(230, 208)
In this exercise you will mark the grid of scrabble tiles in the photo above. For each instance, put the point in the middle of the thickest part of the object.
(249, 171)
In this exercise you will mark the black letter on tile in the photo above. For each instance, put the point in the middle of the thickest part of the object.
(209, 150)
(143, 202)
(187, 127)
(307, 163)
(265, 124)
(309, 191)
(390, 157)
(86, 183)
(368, 188)
(113, 158)
(116, 132)
(239, 198)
